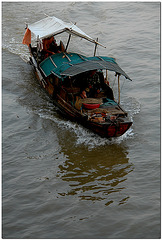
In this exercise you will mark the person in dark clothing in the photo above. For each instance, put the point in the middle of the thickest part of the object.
(106, 87)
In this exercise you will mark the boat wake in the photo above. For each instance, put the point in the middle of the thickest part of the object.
(131, 106)
(14, 46)
(84, 136)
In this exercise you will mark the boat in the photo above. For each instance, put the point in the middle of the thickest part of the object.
(78, 84)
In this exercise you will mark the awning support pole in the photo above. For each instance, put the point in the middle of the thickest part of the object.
(68, 42)
(106, 76)
(37, 47)
(95, 47)
(118, 88)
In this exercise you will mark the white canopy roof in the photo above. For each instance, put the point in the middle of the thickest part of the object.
(52, 26)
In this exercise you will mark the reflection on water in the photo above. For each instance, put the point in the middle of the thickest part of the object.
(96, 174)
(94, 168)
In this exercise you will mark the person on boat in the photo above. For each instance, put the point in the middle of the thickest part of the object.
(92, 85)
(95, 84)
(83, 94)
(50, 46)
(105, 86)
(54, 47)
(109, 92)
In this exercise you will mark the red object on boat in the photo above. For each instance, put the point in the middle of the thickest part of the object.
(91, 106)
(114, 131)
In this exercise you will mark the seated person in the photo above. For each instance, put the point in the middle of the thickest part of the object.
(49, 46)
(83, 94)
(108, 91)
(93, 84)
(53, 46)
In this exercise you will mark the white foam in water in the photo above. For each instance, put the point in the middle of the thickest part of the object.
(132, 106)
(16, 47)
(85, 136)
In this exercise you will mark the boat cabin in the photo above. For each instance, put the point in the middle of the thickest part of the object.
(75, 82)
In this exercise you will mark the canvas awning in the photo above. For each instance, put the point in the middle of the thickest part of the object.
(94, 64)
(71, 64)
(51, 26)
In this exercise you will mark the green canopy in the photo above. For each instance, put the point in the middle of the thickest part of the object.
(71, 64)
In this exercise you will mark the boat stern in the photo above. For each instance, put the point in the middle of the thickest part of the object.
(117, 130)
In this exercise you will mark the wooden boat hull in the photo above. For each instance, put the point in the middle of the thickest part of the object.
(77, 83)
(106, 129)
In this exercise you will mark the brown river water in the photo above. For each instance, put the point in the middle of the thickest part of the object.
(59, 180)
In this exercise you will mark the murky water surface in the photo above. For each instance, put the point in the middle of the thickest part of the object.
(59, 179)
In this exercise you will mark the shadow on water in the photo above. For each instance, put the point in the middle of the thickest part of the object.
(96, 175)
